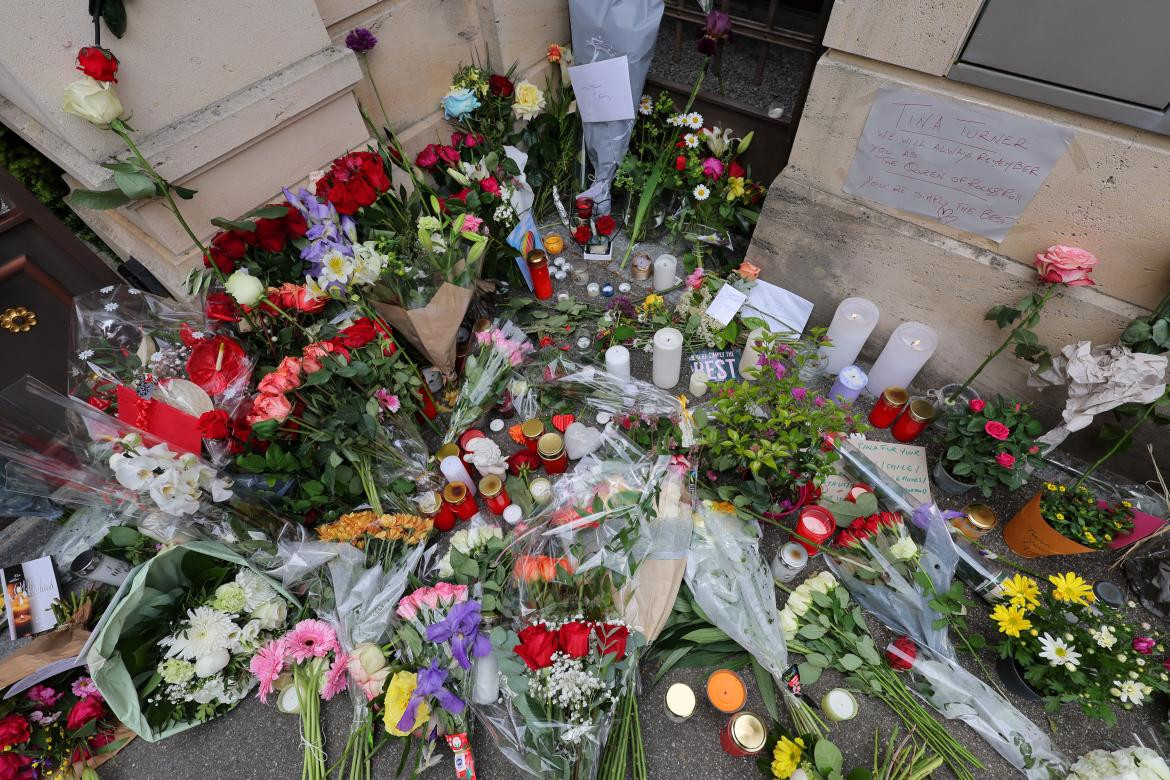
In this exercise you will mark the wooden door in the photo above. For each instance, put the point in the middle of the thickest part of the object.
(42, 266)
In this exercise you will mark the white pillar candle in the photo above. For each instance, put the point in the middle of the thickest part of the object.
(617, 361)
(749, 360)
(668, 344)
(698, 384)
(486, 680)
(454, 470)
(852, 323)
(904, 355)
(665, 268)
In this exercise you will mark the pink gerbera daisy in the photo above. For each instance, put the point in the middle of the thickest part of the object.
(336, 680)
(84, 687)
(310, 639)
(267, 665)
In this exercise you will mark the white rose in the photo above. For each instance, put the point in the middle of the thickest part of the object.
(244, 287)
(271, 614)
(828, 579)
(904, 549)
(211, 663)
(799, 603)
(444, 569)
(461, 541)
(529, 101)
(92, 100)
(788, 623)
(817, 585)
(369, 656)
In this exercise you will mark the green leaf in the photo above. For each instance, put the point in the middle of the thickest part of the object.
(827, 757)
(186, 193)
(1159, 332)
(704, 636)
(233, 224)
(114, 15)
(267, 212)
(809, 673)
(1138, 331)
(98, 200)
(767, 689)
(811, 631)
(136, 186)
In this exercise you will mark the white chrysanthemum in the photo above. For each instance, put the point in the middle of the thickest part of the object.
(429, 224)
(1130, 691)
(207, 630)
(111, 306)
(107, 289)
(694, 120)
(1105, 638)
(691, 140)
(257, 591)
(1058, 652)
(701, 192)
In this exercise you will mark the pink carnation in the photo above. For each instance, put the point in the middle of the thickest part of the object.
(1069, 265)
(267, 665)
(471, 223)
(310, 639)
(43, 695)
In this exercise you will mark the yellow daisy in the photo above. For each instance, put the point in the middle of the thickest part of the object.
(1071, 588)
(786, 757)
(1011, 620)
(1023, 591)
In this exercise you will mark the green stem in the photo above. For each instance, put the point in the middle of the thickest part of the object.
(1116, 445)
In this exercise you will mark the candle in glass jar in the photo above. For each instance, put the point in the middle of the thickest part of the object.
(551, 449)
(913, 421)
(431, 505)
(459, 498)
(789, 562)
(815, 526)
(593, 289)
(904, 355)
(617, 361)
(665, 268)
(454, 470)
(726, 691)
(538, 269)
(849, 384)
(889, 405)
(698, 384)
(485, 686)
(494, 494)
(839, 705)
(554, 244)
(668, 344)
(532, 430)
(680, 702)
(852, 323)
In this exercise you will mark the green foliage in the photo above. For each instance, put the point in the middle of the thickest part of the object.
(1022, 318)
(971, 450)
(1075, 513)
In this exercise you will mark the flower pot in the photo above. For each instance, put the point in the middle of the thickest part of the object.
(1030, 536)
(1012, 677)
(959, 404)
(947, 483)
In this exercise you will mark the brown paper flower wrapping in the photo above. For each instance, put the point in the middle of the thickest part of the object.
(433, 328)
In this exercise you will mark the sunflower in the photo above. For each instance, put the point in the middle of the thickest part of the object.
(1011, 620)
(1071, 588)
(1023, 591)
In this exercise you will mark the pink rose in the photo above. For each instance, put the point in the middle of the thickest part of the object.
(490, 185)
(997, 430)
(1143, 644)
(314, 354)
(712, 168)
(290, 366)
(406, 609)
(429, 598)
(269, 407)
(1005, 459)
(471, 223)
(1069, 265)
(1033, 449)
(976, 405)
(278, 382)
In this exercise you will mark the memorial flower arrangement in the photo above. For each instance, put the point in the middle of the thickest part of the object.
(502, 348)
(992, 444)
(177, 483)
(1099, 661)
(1074, 512)
(717, 194)
(1140, 763)
(808, 757)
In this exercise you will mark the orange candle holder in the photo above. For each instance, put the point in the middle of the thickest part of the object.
(726, 691)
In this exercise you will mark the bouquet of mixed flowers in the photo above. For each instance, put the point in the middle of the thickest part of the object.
(486, 373)
(480, 181)
(386, 539)
(1139, 763)
(489, 103)
(480, 555)
(809, 757)
(993, 444)
(1096, 659)
(1077, 514)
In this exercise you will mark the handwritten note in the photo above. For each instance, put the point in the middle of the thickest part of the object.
(968, 167)
(603, 90)
(905, 463)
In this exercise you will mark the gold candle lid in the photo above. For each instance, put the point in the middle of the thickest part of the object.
(981, 516)
(490, 486)
(447, 450)
(455, 493)
(551, 445)
(921, 410)
(532, 429)
(537, 258)
(895, 396)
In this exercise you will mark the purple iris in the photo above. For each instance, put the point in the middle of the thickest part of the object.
(430, 683)
(461, 629)
(327, 230)
(360, 40)
(718, 28)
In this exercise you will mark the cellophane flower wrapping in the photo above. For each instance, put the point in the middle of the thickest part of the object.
(569, 657)
(893, 577)
(500, 349)
(959, 695)
(1140, 763)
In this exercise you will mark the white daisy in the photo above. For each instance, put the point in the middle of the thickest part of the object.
(207, 630)
(134, 291)
(85, 354)
(701, 192)
(678, 120)
(645, 106)
(107, 290)
(111, 306)
(1058, 652)
(694, 120)
(691, 140)
(1129, 691)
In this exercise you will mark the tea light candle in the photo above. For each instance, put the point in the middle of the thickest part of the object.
(668, 343)
(852, 323)
(603, 418)
(664, 272)
(726, 691)
(624, 288)
(562, 296)
(593, 290)
(698, 384)
(839, 705)
(750, 359)
(909, 347)
(789, 562)
(607, 290)
(617, 361)
(496, 425)
(560, 275)
(850, 382)
(580, 275)
(454, 470)
(584, 343)
(680, 702)
(513, 514)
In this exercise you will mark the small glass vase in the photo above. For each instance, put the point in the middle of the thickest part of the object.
(959, 405)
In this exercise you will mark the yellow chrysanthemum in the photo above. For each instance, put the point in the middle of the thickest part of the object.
(786, 757)
(1022, 591)
(1090, 538)
(652, 301)
(1061, 488)
(398, 693)
(1011, 620)
(1071, 588)
(1060, 515)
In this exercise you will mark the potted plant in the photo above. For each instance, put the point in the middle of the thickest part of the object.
(989, 445)
(1066, 520)
(1069, 651)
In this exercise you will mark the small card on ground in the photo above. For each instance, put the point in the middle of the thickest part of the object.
(30, 588)
(905, 463)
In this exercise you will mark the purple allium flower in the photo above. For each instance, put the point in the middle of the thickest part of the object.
(360, 40)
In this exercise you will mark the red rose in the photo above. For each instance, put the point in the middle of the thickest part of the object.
(214, 424)
(472, 140)
(537, 645)
(14, 766)
(447, 154)
(428, 158)
(500, 86)
(520, 460)
(490, 185)
(354, 180)
(201, 364)
(14, 730)
(613, 639)
(295, 225)
(976, 405)
(226, 248)
(99, 403)
(582, 234)
(574, 639)
(221, 307)
(735, 170)
(606, 225)
(84, 711)
(997, 430)
(901, 653)
(360, 333)
(269, 234)
(680, 163)
(98, 63)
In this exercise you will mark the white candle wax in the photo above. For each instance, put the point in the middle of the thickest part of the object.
(751, 356)
(668, 343)
(617, 361)
(454, 470)
(665, 268)
(904, 355)
(839, 704)
(698, 384)
(485, 680)
(852, 323)
(850, 382)
(789, 561)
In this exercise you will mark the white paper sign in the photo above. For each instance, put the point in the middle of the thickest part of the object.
(726, 304)
(782, 311)
(905, 463)
(602, 90)
(968, 167)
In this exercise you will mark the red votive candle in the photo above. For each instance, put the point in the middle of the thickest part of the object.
(816, 525)
(470, 435)
(913, 421)
(538, 269)
(889, 405)
(551, 449)
(459, 500)
(494, 494)
(532, 430)
(431, 504)
(584, 208)
(428, 403)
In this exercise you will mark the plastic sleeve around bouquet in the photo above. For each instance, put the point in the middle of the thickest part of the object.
(959, 695)
(486, 373)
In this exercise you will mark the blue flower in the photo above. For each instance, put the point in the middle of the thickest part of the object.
(458, 103)
(430, 683)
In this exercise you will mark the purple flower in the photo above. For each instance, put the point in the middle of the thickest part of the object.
(360, 40)
(718, 28)
(818, 402)
(430, 683)
(780, 369)
(624, 306)
(712, 168)
(461, 629)
(799, 393)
